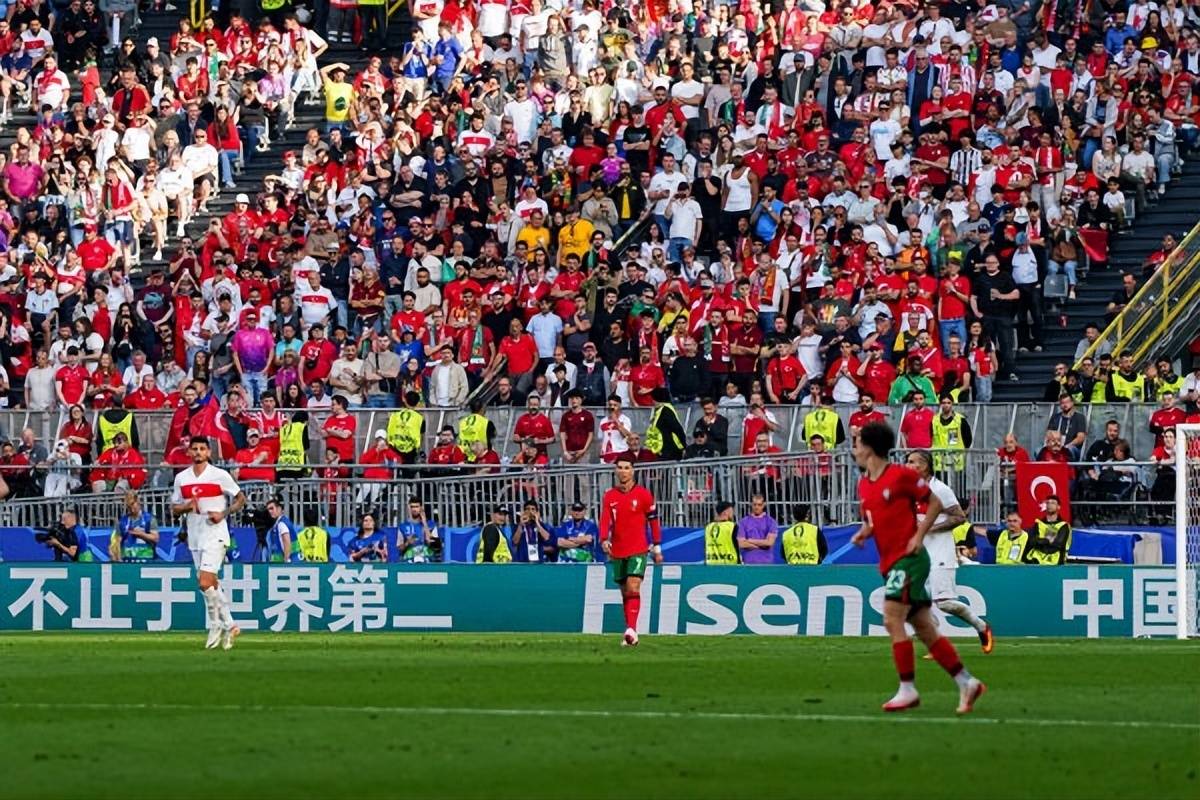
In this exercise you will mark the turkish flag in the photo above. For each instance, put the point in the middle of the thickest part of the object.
(1095, 243)
(1037, 480)
(209, 421)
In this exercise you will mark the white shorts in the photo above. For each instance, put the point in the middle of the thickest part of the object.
(209, 556)
(941, 583)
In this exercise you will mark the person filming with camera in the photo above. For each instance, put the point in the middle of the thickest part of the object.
(66, 538)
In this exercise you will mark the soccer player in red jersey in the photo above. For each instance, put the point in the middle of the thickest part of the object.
(889, 494)
(628, 509)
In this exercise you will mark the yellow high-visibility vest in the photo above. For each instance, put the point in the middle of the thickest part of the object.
(719, 544)
(1046, 529)
(404, 430)
(291, 445)
(948, 436)
(1011, 550)
(821, 421)
(800, 544)
(313, 543)
(1133, 391)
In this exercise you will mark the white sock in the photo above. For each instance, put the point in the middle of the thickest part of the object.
(960, 610)
(226, 616)
(907, 687)
(962, 678)
(212, 602)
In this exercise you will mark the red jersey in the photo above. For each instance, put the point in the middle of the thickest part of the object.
(74, 381)
(890, 504)
(859, 420)
(625, 516)
(343, 447)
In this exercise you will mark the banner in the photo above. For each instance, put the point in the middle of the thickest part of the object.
(694, 600)
(1037, 480)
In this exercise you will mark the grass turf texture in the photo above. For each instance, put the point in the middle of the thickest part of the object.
(319, 715)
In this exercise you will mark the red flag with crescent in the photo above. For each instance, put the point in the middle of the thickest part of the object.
(1037, 480)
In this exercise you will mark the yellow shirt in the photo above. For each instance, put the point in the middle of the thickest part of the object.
(534, 238)
(337, 101)
(575, 238)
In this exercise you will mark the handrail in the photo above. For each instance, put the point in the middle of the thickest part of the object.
(197, 12)
(1131, 329)
(393, 7)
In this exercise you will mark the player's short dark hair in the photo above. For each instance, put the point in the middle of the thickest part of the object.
(1053, 497)
(724, 506)
(623, 458)
(198, 440)
(311, 517)
(878, 437)
(800, 511)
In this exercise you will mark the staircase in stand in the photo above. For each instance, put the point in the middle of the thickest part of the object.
(1175, 212)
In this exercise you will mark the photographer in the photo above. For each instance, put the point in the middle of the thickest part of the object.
(532, 540)
(67, 538)
(417, 538)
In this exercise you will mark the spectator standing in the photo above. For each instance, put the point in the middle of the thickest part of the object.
(757, 532)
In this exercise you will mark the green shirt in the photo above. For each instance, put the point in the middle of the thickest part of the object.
(906, 383)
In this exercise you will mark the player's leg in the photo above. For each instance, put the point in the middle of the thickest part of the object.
(895, 611)
(627, 573)
(207, 576)
(970, 688)
(944, 589)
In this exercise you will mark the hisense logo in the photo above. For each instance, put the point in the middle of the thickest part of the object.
(768, 609)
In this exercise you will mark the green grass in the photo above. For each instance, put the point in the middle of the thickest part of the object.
(313, 715)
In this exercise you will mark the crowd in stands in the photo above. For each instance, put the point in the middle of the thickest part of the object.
(580, 204)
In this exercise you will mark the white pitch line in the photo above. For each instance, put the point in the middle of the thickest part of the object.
(727, 716)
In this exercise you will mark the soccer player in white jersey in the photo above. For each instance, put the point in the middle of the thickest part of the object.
(943, 556)
(202, 493)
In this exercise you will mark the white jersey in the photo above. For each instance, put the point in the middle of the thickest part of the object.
(941, 544)
(211, 490)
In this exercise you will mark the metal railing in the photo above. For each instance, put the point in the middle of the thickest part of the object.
(687, 491)
(1171, 294)
(989, 423)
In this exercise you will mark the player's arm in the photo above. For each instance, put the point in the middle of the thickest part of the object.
(864, 532)
(931, 513)
(605, 526)
(239, 502)
(285, 542)
(655, 532)
(955, 516)
(179, 506)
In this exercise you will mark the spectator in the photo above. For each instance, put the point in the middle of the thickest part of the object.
(448, 382)
(256, 460)
(994, 300)
(63, 467)
(417, 540)
(1165, 417)
(1053, 450)
(534, 424)
(714, 425)
(916, 427)
(378, 462)
(119, 468)
(1071, 425)
(908, 386)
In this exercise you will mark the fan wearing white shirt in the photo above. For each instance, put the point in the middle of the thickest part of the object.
(201, 158)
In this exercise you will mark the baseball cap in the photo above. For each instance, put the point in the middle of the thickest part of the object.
(242, 198)
(381, 434)
(253, 432)
(499, 510)
(577, 506)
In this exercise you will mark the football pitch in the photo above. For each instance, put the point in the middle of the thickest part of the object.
(532, 716)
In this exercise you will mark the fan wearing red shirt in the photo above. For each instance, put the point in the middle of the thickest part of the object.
(408, 318)
(256, 459)
(534, 424)
(520, 350)
(888, 494)
(95, 253)
(147, 397)
(71, 381)
(625, 512)
(446, 452)
(119, 464)
(1166, 418)
(936, 158)
(866, 414)
(338, 430)
(785, 375)
(316, 356)
(381, 458)
(876, 373)
(646, 377)
(916, 429)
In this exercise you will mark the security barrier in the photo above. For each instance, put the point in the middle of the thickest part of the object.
(692, 600)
